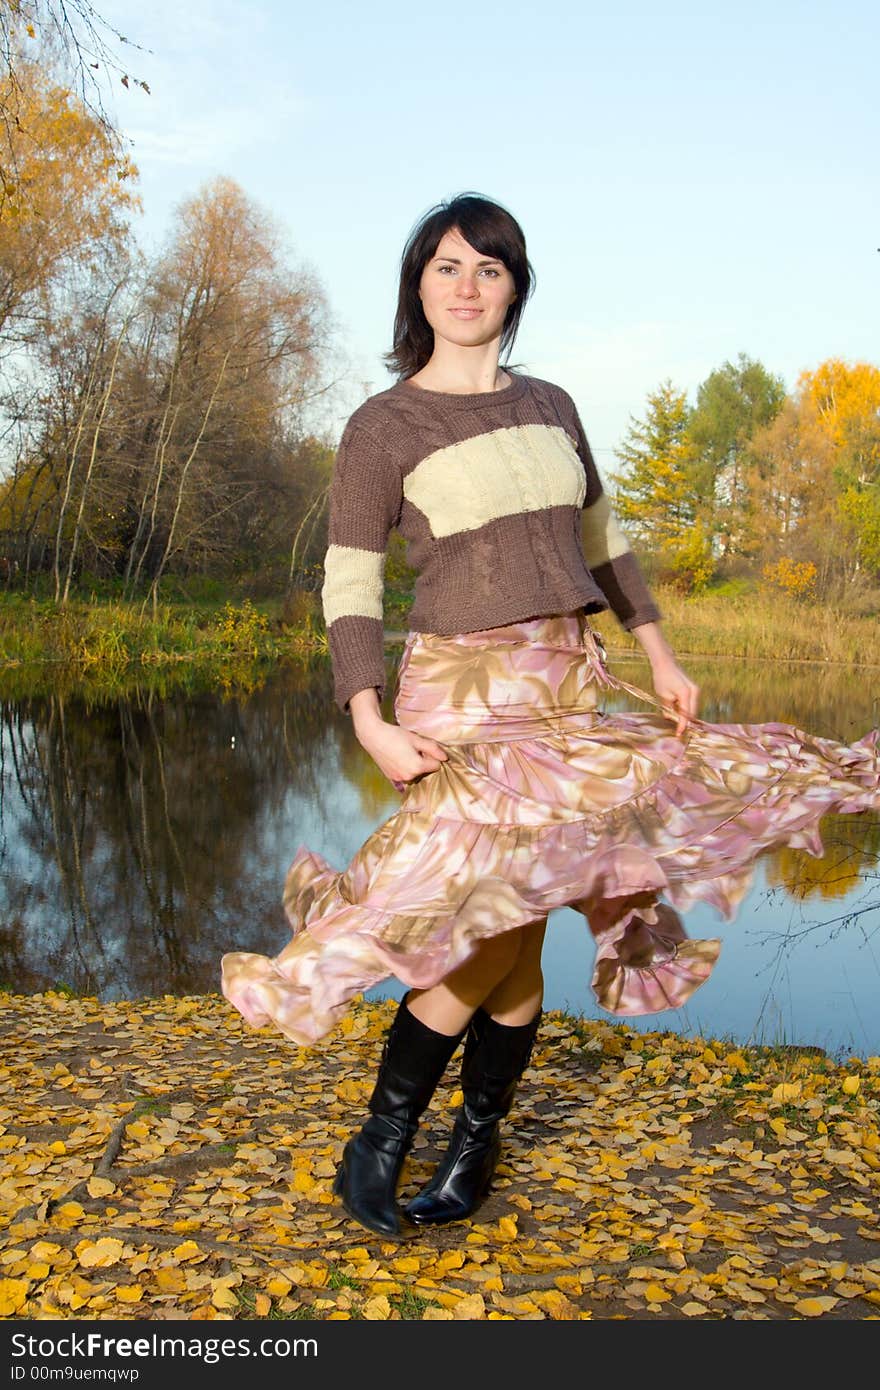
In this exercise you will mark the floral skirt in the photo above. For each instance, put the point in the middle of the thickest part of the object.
(545, 801)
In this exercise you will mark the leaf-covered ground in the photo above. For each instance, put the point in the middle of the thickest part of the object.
(163, 1160)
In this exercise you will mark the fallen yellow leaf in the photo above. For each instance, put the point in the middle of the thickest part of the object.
(787, 1090)
(100, 1187)
(13, 1296)
(472, 1307)
(100, 1253)
(815, 1307)
(278, 1286)
(655, 1293)
(377, 1309)
(187, 1250)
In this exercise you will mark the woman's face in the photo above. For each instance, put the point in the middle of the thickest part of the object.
(465, 295)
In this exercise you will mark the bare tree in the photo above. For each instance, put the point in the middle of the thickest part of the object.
(83, 43)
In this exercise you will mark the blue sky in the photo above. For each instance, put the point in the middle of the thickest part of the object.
(694, 181)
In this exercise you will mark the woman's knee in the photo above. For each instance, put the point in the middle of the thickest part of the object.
(499, 954)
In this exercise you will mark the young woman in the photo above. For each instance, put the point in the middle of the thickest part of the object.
(519, 794)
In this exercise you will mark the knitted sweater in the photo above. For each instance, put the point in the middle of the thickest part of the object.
(498, 498)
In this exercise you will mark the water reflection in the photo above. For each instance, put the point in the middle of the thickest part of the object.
(141, 836)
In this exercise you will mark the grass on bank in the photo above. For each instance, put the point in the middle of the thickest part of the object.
(101, 634)
(757, 625)
(737, 621)
(111, 634)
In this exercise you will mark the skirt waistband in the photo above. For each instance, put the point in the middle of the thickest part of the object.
(514, 681)
(562, 629)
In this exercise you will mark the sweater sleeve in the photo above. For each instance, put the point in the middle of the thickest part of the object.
(365, 501)
(606, 549)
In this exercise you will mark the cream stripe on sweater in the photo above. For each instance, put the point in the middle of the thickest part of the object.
(502, 508)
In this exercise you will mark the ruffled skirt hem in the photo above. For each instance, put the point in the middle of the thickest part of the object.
(545, 802)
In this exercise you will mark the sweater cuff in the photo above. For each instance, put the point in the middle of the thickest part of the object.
(357, 652)
(628, 596)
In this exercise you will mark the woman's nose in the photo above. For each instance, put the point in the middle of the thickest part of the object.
(467, 286)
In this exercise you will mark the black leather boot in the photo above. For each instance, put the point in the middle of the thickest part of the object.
(414, 1058)
(495, 1058)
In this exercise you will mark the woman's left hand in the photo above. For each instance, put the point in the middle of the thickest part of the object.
(678, 694)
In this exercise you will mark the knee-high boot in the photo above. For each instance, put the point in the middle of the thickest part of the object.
(495, 1058)
(414, 1058)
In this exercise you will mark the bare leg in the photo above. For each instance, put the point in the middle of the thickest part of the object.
(518, 996)
(448, 1007)
(497, 1050)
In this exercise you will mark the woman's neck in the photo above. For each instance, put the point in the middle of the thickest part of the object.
(457, 375)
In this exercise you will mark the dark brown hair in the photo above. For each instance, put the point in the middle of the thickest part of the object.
(491, 230)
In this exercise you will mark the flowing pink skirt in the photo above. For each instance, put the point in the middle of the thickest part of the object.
(544, 802)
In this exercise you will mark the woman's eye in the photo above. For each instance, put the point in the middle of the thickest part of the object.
(486, 270)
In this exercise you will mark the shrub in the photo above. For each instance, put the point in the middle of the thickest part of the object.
(794, 577)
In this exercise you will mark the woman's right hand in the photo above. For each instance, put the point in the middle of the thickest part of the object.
(401, 754)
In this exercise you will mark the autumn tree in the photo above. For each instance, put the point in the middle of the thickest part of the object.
(169, 432)
(844, 398)
(66, 204)
(733, 402)
(817, 492)
(791, 488)
(82, 46)
(656, 497)
(231, 351)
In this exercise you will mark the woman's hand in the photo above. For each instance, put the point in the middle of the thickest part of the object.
(676, 692)
(400, 753)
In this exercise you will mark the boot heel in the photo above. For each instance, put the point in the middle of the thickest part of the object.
(339, 1182)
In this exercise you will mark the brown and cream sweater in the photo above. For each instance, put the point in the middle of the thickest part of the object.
(502, 508)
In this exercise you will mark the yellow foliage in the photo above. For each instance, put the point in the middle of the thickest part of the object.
(66, 182)
(843, 395)
(794, 577)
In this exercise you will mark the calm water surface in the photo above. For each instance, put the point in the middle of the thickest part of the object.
(140, 838)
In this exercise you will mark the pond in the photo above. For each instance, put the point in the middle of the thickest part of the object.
(142, 837)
